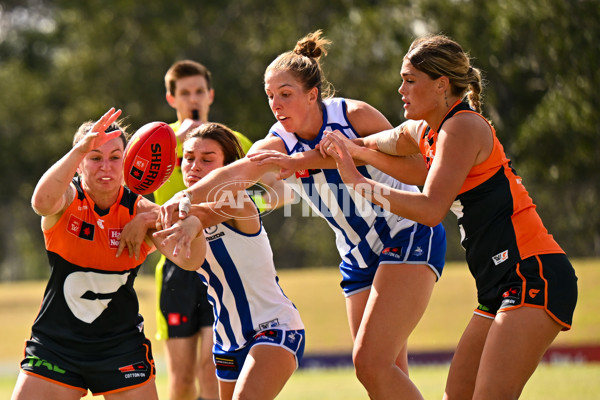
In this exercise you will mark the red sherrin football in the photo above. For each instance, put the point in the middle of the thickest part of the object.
(150, 157)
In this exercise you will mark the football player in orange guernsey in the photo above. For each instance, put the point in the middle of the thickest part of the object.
(526, 286)
(89, 334)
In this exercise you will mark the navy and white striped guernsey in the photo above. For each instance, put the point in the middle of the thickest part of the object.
(361, 227)
(243, 287)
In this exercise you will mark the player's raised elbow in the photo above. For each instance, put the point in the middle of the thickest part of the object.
(43, 205)
(37, 206)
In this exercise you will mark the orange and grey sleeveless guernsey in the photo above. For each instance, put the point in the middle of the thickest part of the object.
(497, 219)
(89, 305)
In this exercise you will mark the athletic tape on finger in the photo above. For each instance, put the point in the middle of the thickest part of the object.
(185, 204)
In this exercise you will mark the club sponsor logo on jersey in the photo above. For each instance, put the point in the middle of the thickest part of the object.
(215, 237)
(209, 233)
(114, 237)
(302, 173)
(500, 257)
(305, 173)
(80, 228)
(269, 324)
(74, 226)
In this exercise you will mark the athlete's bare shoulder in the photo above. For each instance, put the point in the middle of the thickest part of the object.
(365, 118)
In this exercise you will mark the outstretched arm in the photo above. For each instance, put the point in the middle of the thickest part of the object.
(54, 192)
(402, 140)
(410, 169)
(365, 120)
(224, 181)
(455, 157)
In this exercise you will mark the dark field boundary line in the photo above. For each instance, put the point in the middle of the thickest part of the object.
(578, 354)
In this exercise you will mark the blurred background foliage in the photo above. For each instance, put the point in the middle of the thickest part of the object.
(64, 62)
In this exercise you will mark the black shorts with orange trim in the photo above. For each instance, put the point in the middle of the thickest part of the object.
(546, 281)
(100, 375)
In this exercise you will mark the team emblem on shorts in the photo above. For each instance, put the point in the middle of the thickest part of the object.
(139, 366)
(392, 252)
(291, 338)
(137, 370)
(511, 297)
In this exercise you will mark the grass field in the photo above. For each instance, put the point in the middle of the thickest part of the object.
(550, 382)
(317, 295)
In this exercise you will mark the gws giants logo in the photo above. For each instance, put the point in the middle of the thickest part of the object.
(88, 293)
